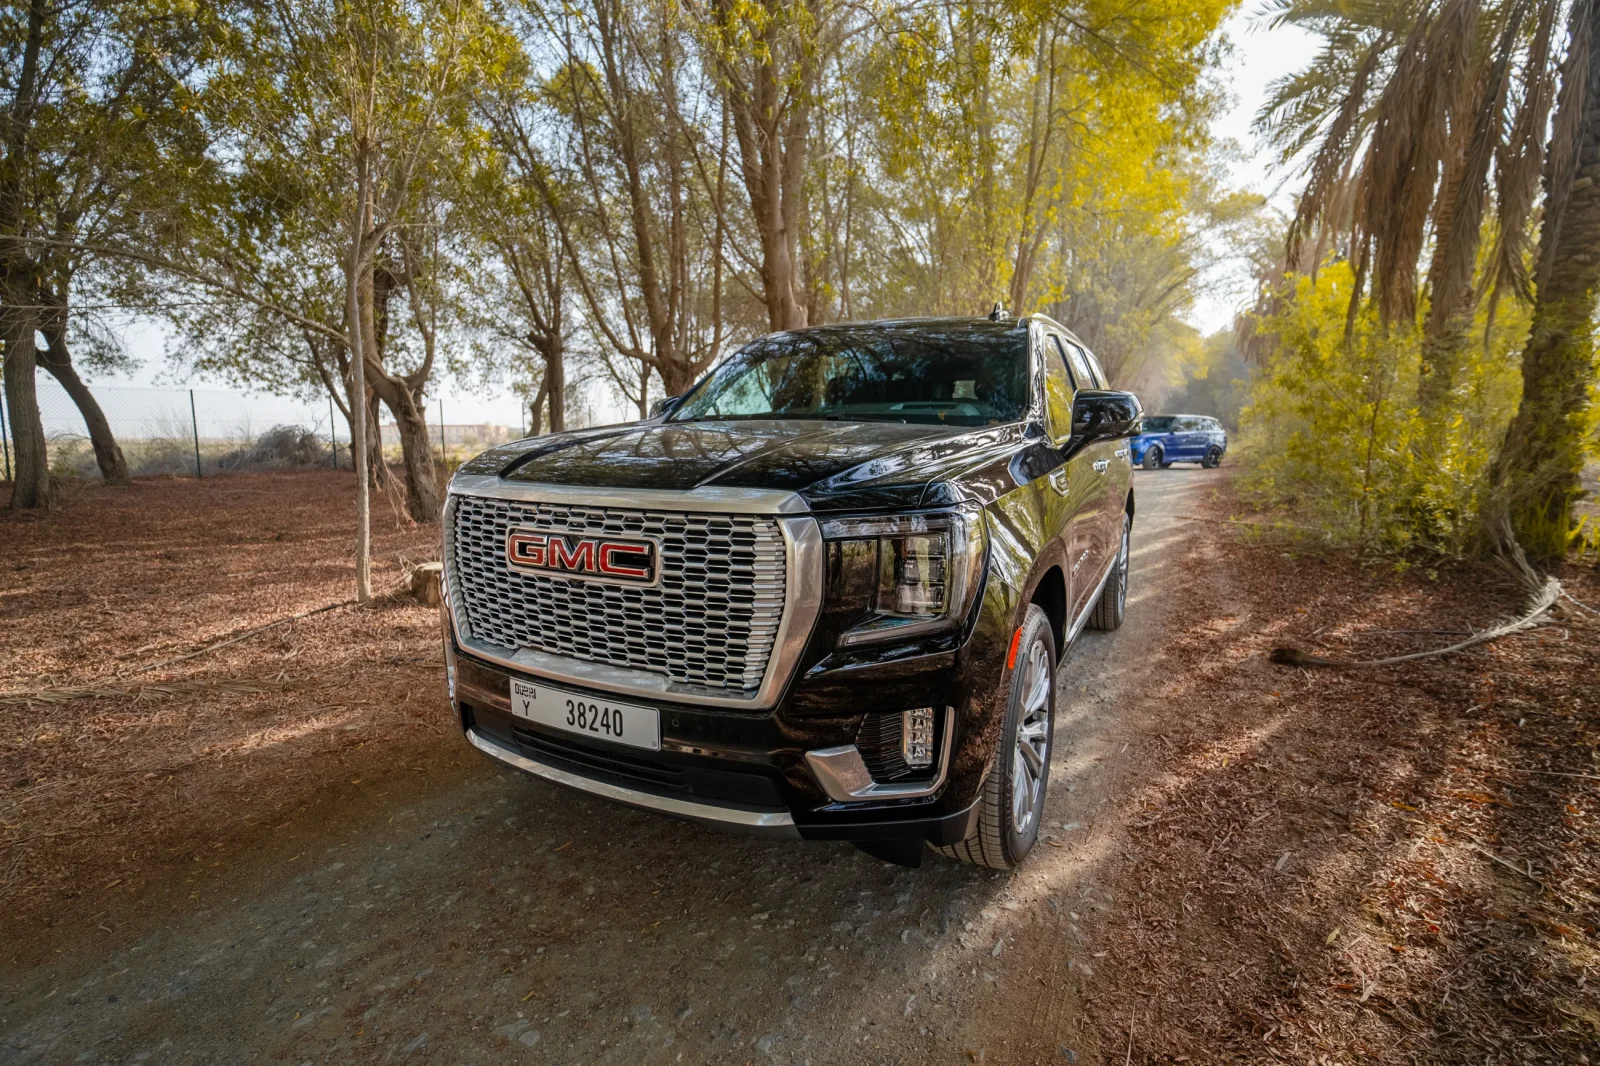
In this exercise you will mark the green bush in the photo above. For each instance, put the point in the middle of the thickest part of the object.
(1331, 429)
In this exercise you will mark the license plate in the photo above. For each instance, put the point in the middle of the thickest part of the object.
(620, 723)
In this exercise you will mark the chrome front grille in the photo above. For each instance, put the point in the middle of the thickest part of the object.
(710, 621)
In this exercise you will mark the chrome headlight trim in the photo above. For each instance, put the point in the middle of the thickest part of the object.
(967, 550)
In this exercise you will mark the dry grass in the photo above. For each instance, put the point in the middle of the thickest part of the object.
(1396, 865)
(112, 778)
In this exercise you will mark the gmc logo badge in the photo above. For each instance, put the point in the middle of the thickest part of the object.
(630, 562)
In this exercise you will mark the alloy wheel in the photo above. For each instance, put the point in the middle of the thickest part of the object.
(1033, 739)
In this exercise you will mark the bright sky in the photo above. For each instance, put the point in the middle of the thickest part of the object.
(1260, 55)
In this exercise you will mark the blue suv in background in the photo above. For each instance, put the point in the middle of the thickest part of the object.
(1169, 439)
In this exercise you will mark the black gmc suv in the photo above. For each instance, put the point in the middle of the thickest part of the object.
(821, 595)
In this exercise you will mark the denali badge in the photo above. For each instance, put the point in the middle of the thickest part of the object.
(629, 562)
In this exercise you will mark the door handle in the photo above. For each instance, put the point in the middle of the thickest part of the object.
(1101, 465)
(1058, 481)
(1121, 453)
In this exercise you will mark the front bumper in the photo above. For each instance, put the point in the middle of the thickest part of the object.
(743, 772)
(754, 820)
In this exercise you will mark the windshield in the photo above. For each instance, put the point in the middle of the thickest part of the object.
(1158, 424)
(959, 374)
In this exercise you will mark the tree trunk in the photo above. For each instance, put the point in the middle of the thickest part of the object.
(32, 486)
(675, 380)
(402, 394)
(377, 465)
(1041, 112)
(1537, 475)
(555, 376)
(358, 380)
(416, 451)
(772, 125)
(373, 335)
(107, 454)
(536, 409)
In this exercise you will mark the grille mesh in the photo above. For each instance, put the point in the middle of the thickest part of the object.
(711, 621)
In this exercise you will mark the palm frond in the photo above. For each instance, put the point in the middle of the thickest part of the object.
(1333, 158)
(1519, 161)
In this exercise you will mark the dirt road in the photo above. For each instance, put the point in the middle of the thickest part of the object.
(498, 919)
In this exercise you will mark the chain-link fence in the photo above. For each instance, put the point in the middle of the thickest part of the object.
(193, 432)
(202, 432)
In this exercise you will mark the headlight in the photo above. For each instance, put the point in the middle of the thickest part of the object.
(926, 569)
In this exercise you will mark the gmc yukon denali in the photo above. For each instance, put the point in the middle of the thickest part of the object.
(820, 595)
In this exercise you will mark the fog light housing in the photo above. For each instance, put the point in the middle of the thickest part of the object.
(916, 737)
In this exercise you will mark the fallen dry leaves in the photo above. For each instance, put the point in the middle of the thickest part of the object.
(113, 778)
(1393, 865)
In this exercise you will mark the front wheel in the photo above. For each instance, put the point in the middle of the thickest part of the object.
(1152, 459)
(1112, 606)
(1213, 458)
(1012, 804)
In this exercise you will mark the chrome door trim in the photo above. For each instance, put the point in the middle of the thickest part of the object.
(709, 499)
(804, 565)
(843, 774)
(761, 823)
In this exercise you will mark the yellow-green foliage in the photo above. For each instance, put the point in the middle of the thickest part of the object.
(1331, 428)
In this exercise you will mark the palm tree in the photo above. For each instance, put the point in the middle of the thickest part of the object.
(1404, 118)
(1536, 477)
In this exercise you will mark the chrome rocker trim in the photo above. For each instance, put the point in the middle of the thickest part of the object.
(845, 777)
(804, 562)
(759, 823)
(1089, 605)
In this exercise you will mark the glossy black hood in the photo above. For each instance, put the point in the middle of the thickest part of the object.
(833, 465)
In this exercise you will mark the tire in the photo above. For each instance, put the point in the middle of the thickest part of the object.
(1213, 458)
(1152, 459)
(1112, 606)
(1001, 837)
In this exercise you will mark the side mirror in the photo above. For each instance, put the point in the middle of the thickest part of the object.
(1105, 415)
(664, 406)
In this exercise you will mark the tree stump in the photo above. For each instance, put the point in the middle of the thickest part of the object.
(425, 583)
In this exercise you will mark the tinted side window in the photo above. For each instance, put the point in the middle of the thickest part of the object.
(1100, 379)
(1185, 425)
(1080, 366)
(1057, 391)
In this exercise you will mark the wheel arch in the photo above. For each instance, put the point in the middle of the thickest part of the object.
(1050, 593)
